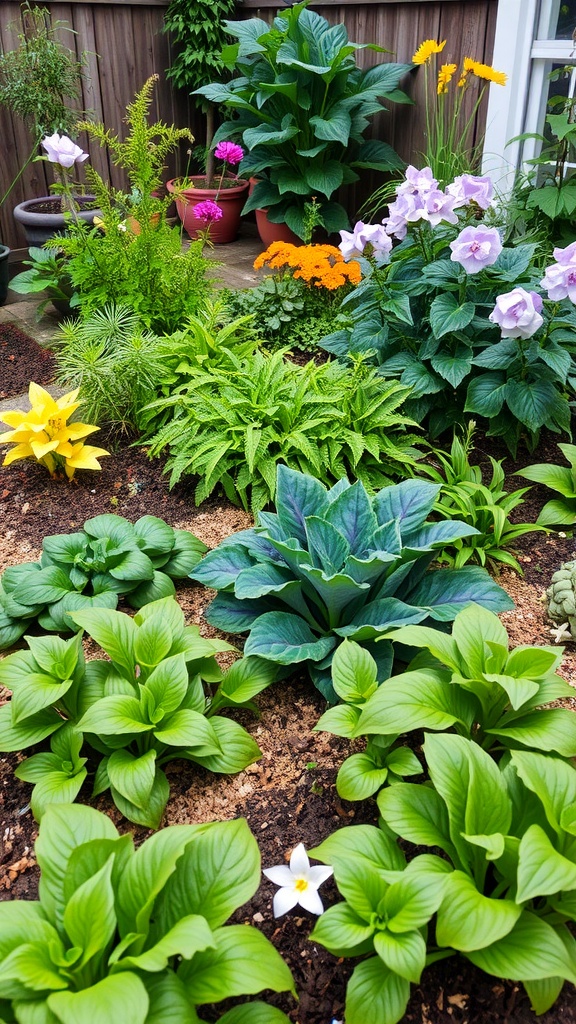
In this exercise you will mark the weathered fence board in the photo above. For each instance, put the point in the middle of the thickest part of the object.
(125, 44)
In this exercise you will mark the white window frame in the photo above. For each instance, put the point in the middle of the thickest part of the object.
(523, 50)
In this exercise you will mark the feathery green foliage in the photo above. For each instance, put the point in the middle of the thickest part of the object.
(231, 426)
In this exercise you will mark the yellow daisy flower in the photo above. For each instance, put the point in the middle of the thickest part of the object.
(426, 49)
(445, 76)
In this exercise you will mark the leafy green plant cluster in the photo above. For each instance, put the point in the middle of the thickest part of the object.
(336, 564)
(424, 320)
(109, 557)
(468, 682)
(501, 895)
(301, 107)
(232, 425)
(286, 312)
(143, 708)
(562, 479)
(48, 272)
(137, 935)
(486, 506)
(133, 255)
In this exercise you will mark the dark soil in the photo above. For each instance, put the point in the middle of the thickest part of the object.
(21, 360)
(288, 797)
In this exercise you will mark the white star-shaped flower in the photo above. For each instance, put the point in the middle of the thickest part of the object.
(561, 633)
(299, 883)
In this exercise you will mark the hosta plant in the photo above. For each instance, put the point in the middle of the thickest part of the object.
(301, 107)
(136, 935)
(468, 682)
(335, 564)
(502, 894)
(562, 479)
(484, 505)
(150, 703)
(231, 425)
(108, 558)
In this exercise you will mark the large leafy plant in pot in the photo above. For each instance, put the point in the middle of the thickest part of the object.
(338, 563)
(301, 108)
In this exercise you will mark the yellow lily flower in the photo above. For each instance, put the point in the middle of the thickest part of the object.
(42, 433)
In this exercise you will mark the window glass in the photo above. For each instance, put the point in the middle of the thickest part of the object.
(566, 20)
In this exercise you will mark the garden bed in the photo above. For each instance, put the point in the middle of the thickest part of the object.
(289, 796)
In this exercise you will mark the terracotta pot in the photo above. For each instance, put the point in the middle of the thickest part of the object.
(42, 218)
(268, 231)
(230, 199)
(4, 254)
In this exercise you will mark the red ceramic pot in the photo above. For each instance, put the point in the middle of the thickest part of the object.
(268, 231)
(230, 199)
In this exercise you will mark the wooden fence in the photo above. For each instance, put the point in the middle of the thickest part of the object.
(125, 44)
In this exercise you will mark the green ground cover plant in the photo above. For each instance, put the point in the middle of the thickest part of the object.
(501, 894)
(562, 479)
(231, 425)
(336, 564)
(138, 935)
(468, 682)
(301, 108)
(149, 704)
(90, 569)
(484, 505)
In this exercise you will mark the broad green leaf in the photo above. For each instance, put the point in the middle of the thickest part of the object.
(287, 639)
(532, 951)
(63, 829)
(169, 1003)
(552, 780)
(544, 993)
(243, 962)
(341, 720)
(473, 628)
(89, 917)
(117, 997)
(168, 683)
(531, 402)
(30, 968)
(354, 673)
(417, 814)
(28, 732)
(422, 699)
(253, 1013)
(403, 954)
(375, 986)
(22, 921)
(187, 728)
(246, 678)
(444, 594)
(365, 842)
(151, 815)
(189, 935)
(549, 729)
(217, 872)
(113, 716)
(114, 631)
(411, 901)
(56, 787)
(152, 641)
(237, 748)
(468, 920)
(441, 645)
(132, 776)
(221, 567)
(340, 930)
(446, 315)
(358, 777)
(155, 536)
(298, 496)
(542, 871)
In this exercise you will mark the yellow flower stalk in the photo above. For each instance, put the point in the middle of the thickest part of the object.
(426, 50)
(43, 433)
(445, 77)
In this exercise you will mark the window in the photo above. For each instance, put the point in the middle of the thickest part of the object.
(532, 38)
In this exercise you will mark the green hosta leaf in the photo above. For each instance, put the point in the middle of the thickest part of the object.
(244, 962)
(54, 655)
(151, 815)
(287, 639)
(20, 922)
(159, 587)
(244, 679)
(168, 683)
(530, 952)
(25, 734)
(89, 918)
(35, 693)
(358, 777)
(30, 968)
(354, 673)
(363, 842)
(113, 716)
(189, 935)
(63, 830)
(473, 629)
(341, 720)
(185, 554)
(446, 315)
(155, 537)
(417, 700)
(544, 993)
(547, 729)
(152, 641)
(403, 954)
(114, 631)
(56, 787)
(117, 997)
(552, 780)
(187, 728)
(542, 871)
(468, 920)
(237, 748)
(169, 1003)
(254, 1013)
(217, 872)
(417, 814)
(132, 776)
(444, 594)
(340, 930)
(375, 986)
(333, 129)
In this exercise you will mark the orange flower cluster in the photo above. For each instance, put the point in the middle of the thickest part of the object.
(320, 265)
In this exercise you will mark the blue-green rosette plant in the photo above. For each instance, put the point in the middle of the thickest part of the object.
(335, 564)
(301, 108)
(457, 317)
(137, 936)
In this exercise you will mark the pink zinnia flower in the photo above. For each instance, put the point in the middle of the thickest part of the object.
(229, 152)
(207, 211)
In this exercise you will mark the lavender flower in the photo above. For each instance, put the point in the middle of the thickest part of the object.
(354, 242)
(517, 313)
(476, 248)
(407, 206)
(436, 207)
(470, 188)
(229, 152)
(61, 150)
(417, 182)
(566, 256)
(207, 211)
